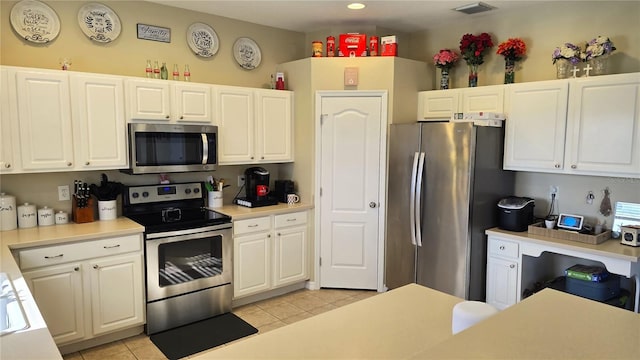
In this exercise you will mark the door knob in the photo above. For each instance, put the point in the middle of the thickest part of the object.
(372, 204)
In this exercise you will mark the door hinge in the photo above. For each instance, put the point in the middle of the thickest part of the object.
(320, 191)
(320, 261)
(322, 118)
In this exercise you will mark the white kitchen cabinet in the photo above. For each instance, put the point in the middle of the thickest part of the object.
(269, 252)
(168, 101)
(87, 289)
(58, 292)
(9, 160)
(535, 129)
(584, 126)
(255, 126)
(502, 273)
(442, 104)
(44, 119)
(99, 122)
(603, 126)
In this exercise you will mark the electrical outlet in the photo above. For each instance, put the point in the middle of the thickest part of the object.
(240, 180)
(553, 190)
(63, 193)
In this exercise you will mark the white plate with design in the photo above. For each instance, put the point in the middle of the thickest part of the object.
(99, 22)
(202, 39)
(35, 21)
(247, 53)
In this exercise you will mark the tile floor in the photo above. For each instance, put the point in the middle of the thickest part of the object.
(264, 315)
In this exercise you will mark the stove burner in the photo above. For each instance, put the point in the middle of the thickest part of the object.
(171, 215)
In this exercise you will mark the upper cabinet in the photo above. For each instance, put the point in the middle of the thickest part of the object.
(587, 126)
(255, 125)
(169, 101)
(442, 104)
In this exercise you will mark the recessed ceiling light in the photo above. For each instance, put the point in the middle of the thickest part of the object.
(356, 6)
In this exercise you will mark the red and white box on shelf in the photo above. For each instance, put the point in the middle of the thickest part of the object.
(352, 45)
(389, 45)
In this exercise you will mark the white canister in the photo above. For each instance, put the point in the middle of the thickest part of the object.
(107, 210)
(215, 199)
(46, 217)
(8, 215)
(62, 218)
(27, 217)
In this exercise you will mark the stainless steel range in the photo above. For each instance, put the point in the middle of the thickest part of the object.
(188, 253)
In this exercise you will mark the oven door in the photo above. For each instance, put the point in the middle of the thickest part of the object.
(181, 264)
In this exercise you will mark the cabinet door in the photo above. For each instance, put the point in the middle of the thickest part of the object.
(502, 282)
(290, 255)
(251, 264)
(485, 98)
(148, 100)
(603, 127)
(438, 104)
(99, 122)
(44, 120)
(8, 163)
(274, 126)
(235, 125)
(58, 292)
(535, 126)
(192, 103)
(117, 299)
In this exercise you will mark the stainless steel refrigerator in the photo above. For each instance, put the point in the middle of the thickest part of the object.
(445, 180)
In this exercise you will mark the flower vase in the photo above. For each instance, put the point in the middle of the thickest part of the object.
(599, 65)
(563, 69)
(444, 79)
(473, 75)
(509, 71)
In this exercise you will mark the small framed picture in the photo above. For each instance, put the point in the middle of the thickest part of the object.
(154, 33)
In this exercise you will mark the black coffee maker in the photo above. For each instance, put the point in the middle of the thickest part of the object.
(256, 183)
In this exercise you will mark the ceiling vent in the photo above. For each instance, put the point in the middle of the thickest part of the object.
(474, 8)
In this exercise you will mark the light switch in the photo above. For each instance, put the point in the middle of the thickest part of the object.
(351, 76)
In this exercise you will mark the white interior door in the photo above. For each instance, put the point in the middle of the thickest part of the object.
(350, 191)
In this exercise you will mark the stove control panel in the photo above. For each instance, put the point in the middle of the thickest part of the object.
(170, 192)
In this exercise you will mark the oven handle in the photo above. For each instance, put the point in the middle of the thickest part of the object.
(205, 149)
(188, 231)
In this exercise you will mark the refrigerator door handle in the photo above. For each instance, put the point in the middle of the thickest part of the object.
(418, 202)
(412, 199)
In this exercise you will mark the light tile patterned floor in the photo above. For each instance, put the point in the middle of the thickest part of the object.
(264, 315)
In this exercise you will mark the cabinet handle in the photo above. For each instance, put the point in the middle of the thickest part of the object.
(279, 234)
(69, 164)
(501, 247)
(87, 163)
(291, 219)
(252, 226)
(574, 166)
(512, 266)
(112, 246)
(557, 166)
(7, 165)
(181, 117)
(262, 157)
(76, 269)
(53, 257)
(268, 235)
(166, 117)
(252, 158)
(95, 267)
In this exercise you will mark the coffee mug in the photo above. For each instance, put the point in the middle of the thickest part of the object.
(292, 198)
(262, 190)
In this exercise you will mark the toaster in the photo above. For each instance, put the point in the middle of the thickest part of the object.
(630, 235)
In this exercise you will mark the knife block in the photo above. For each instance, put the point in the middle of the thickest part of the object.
(84, 214)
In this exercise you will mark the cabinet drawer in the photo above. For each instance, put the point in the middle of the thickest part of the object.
(503, 248)
(291, 219)
(59, 254)
(252, 225)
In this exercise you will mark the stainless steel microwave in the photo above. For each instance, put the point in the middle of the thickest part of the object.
(165, 148)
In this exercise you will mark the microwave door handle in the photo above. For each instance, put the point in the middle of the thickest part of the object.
(412, 200)
(205, 148)
(419, 200)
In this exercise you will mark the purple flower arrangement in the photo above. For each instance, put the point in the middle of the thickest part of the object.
(569, 52)
(597, 47)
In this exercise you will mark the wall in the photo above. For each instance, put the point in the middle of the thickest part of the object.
(127, 56)
(544, 27)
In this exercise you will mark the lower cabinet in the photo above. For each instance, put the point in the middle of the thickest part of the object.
(269, 252)
(98, 290)
(502, 273)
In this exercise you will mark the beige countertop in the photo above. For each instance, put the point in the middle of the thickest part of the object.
(391, 325)
(241, 212)
(548, 325)
(36, 342)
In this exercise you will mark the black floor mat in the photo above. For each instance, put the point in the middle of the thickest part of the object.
(202, 335)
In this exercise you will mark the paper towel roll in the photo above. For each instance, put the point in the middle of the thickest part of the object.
(8, 214)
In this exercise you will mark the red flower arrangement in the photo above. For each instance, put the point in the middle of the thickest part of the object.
(512, 49)
(472, 47)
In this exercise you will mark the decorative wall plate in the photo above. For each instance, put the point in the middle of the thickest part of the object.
(35, 21)
(99, 22)
(247, 53)
(202, 39)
